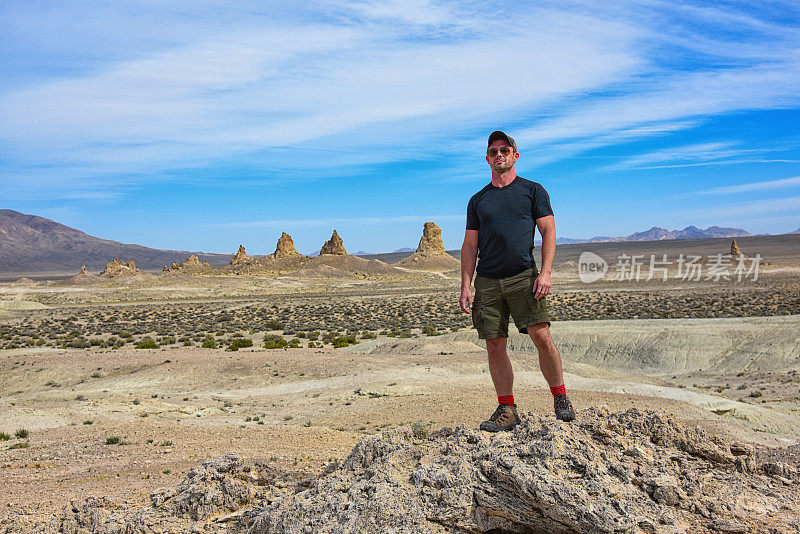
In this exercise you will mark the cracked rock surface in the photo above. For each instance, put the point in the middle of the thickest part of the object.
(631, 471)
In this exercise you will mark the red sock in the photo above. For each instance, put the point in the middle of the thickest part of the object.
(558, 390)
(506, 399)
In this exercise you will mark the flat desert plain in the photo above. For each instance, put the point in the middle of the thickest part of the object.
(89, 410)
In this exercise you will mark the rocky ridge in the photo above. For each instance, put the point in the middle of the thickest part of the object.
(191, 265)
(632, 471)
(116, 268)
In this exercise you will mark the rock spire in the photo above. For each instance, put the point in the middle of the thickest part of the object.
(285, 247)
(334, 245)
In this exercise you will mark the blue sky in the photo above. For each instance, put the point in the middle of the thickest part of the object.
(205, 124)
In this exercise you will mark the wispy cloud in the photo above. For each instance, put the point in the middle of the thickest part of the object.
(769, 185)
(741, 210)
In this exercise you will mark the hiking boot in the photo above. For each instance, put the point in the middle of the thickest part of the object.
(504, 418)
(563, 407)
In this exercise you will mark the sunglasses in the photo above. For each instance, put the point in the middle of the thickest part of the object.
(504, 150)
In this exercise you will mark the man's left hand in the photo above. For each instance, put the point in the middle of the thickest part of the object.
(541, 286)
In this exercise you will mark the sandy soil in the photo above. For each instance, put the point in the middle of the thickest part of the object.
(121, 422)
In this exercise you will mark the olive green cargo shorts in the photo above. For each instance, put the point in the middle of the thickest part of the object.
(495, 299)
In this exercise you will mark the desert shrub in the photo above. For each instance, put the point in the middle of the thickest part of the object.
(21, 433)
(239, 343)
(167, 340)
(366, 334)
(343, 341)
(124, 334)
(147, 343)
(430, 331)
(4, 436)
(294, 343)
(77, 343)
(274, 325)
(209, 342)
(113, 440)
(275, 342)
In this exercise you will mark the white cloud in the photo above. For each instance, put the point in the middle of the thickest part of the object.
(399, 74)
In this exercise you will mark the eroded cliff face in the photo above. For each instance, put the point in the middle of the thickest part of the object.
(631, 471)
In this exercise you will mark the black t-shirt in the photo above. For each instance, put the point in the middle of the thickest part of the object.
(505, 218)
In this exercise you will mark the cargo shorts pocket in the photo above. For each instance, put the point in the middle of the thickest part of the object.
(477, 315)
(537, 311)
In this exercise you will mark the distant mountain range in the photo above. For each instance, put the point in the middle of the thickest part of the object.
(34, 244)
(29, 243)
(658, 234)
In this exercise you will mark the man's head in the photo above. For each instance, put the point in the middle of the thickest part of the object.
(501, 152)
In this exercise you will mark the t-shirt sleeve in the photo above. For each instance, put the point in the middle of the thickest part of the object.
(473, 223)
(541, 202)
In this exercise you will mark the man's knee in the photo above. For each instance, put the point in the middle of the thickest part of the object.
(496, 346)
(540, 334)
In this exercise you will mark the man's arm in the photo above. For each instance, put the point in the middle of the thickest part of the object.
(547, 227)
(469, 256)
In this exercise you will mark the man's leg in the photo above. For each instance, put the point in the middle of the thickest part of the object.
(549, 357)
(550, 364)
(500, 366)
(505, 416)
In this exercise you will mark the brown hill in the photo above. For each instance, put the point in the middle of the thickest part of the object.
(30, 244)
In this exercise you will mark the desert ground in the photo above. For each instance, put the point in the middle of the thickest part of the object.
(117, 388)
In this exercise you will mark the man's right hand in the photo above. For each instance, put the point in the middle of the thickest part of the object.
(465, 301)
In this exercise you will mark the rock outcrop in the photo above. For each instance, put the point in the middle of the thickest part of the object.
(117, 268)
(240, 257)
(735, 250)
(334, 246)
(430, 254)
(285, 247)
(192, 265)
(431, 240)
(83, 270)
(633, 471)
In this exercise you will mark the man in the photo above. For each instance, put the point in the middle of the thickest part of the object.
(500, 230)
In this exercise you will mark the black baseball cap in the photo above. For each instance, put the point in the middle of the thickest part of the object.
(497, 135)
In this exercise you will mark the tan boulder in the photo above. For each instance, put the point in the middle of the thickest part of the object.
(285, 247)
(334, 245)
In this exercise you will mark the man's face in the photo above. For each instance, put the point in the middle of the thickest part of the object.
(501, 163)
